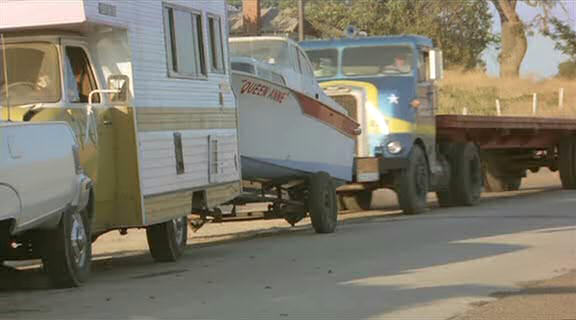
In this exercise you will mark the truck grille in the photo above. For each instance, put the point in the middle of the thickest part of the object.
(349, 103)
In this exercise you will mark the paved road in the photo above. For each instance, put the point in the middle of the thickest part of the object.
(377, 266)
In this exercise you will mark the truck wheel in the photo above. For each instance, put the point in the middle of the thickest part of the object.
(322, 203)
(356, 201)
(412, 183)
(67, 255)
(567, 163)
(466, 180)
(167, 240)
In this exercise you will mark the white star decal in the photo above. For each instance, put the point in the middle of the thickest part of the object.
(393, 99)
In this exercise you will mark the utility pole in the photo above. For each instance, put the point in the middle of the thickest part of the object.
(300, 20)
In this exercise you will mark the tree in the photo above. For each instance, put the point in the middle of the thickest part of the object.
(565, 39)
(514, 41)
(461, 28)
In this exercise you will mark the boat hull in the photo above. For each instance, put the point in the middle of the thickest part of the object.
(284, 133)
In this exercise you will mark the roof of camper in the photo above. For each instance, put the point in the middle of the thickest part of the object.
(366, 41)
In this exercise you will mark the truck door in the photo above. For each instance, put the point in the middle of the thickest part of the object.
(426, 111)
(94, 131)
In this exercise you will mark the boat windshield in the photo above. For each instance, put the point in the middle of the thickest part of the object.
(325, 62)
(377, 60)
(33, 74)
(269, 51)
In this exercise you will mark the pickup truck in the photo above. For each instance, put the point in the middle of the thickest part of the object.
(45, 200)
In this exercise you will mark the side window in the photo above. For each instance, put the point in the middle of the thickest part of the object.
(184, 43)
(424, 66)
(80, 80)
(304, 64)
(216, 46)
(296, 59)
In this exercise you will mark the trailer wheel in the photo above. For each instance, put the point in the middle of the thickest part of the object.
(412, 183)
(322, 204)
(356, 201)
(466, 180)
(167, 240)
(67, 254)
(567, 163)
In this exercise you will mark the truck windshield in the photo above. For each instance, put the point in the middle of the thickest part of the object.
(269, 51)
(325, 62)
(33, 74)
(378, 60)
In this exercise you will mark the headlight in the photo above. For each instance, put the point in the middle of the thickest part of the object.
(394, 147)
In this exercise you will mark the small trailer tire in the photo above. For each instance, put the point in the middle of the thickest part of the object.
(412, 184)
(67, 251)
(567, 163)
(466, 179)
(357, 201)
(167, 240)
(323, 205)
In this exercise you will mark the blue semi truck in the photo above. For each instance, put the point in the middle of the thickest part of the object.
(389, 85)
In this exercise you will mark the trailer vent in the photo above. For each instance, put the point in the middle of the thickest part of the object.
(179, 156)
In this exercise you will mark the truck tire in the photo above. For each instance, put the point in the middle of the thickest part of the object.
(67, 254)
(413, 183)
(356, 201)
(322, 203)
(567, 163)
(167, 240)
(466, 180)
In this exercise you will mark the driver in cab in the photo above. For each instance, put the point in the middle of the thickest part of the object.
(400, 65)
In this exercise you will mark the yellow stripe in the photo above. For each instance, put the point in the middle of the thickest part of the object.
(378, 123)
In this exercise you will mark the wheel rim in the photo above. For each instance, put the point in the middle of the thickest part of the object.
(78, 239)
(179, 225)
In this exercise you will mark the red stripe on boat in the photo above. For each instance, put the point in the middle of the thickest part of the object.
(324, 113)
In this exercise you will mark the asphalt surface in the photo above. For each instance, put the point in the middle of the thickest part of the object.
(447, 263)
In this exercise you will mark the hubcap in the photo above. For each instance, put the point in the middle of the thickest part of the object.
(78, 239)
(179, 225)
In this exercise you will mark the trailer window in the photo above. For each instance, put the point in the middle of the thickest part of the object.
(216, 46)
(80, 80)
(184, 43)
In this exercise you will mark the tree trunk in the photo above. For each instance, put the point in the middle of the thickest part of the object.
(514, 43)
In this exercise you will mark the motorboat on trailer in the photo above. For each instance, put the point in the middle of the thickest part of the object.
(296, 144)
(288, 127)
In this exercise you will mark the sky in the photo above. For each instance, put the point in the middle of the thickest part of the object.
(541, 59)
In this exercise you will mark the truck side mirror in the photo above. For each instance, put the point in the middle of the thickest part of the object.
(436, 65)
(119, 83)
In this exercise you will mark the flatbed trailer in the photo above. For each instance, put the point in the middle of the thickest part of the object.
(509, 146)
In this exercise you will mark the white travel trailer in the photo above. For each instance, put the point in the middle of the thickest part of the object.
(145, 86)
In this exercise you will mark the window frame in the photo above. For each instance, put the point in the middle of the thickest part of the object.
(222, 58)
(424, 65)
(198, 39)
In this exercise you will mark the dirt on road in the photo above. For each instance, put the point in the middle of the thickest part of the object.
(553, 299)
